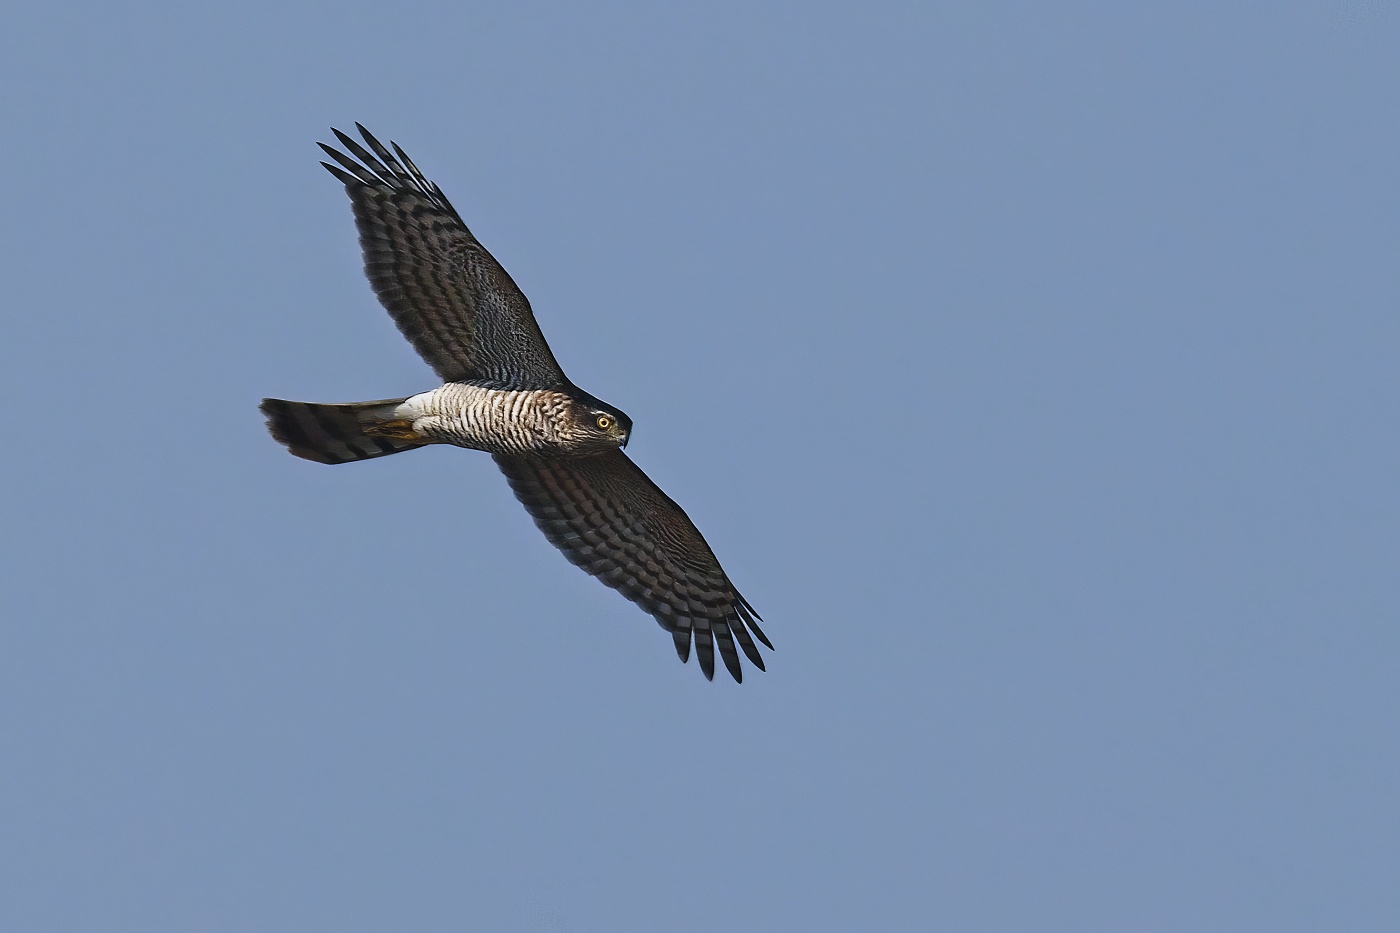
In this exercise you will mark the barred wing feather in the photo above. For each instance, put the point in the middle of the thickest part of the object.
(610, 519)
(449, 297)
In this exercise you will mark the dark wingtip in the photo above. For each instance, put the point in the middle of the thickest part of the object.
(381, 150)
(344, 139)
(344, 177)
(724, 642)
(382, 166)
(384, 173)
(751, 619)
(705, 653)
(741, 635)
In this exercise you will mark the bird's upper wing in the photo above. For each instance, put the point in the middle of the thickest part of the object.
(448, 295)
(611, 520)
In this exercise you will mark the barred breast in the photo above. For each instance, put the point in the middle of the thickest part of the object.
(499, 421)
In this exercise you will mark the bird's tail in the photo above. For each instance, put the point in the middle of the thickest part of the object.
(339, 433)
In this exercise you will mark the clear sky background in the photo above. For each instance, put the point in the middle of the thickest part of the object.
(1032, 368)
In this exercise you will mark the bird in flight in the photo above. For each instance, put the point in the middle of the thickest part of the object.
(559, 447)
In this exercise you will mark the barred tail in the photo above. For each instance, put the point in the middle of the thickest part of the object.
(337, 433)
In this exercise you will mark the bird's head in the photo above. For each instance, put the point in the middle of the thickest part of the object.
(598, 424)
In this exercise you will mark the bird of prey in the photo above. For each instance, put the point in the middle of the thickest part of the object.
(559, 447)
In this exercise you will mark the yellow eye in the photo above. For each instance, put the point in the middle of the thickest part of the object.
(604, 422)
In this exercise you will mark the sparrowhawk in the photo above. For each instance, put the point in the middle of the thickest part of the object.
(559, 447)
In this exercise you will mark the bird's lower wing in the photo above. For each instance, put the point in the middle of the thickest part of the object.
(609, 518)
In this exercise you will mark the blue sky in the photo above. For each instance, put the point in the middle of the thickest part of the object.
(1031, 369)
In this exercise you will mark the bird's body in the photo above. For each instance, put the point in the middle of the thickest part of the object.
(499, 421)
(504, 393)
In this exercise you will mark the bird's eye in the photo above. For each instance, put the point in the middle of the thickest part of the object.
(604, 422)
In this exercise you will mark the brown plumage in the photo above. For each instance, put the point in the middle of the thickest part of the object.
(558, 446)
(609, 518)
